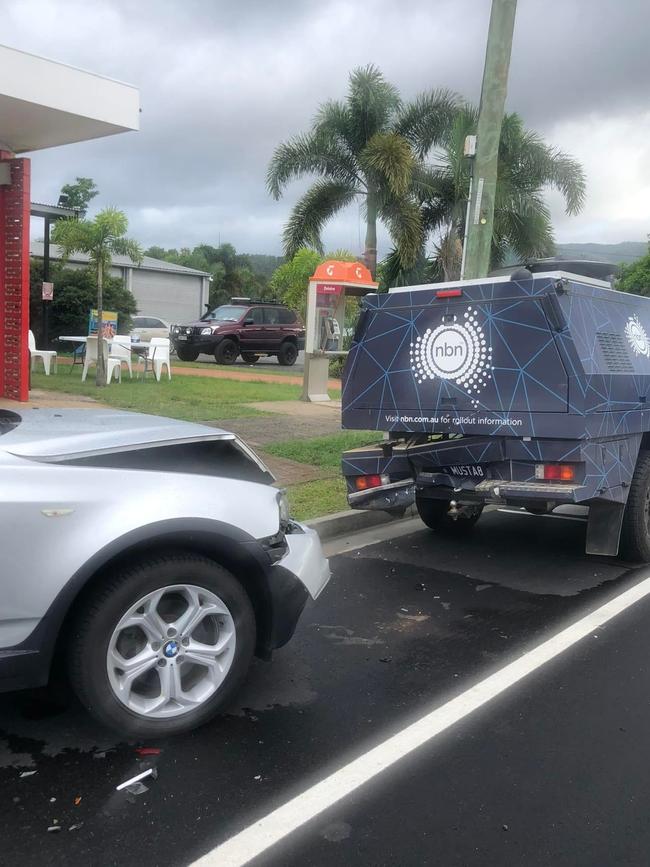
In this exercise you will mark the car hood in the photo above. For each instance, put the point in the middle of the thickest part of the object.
(60, 433)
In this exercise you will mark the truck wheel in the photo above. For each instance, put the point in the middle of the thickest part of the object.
(158, 648)
(250, 357)
(226, 352)
(185, 354)
(434, 513)
(288, 353)
(635, 532)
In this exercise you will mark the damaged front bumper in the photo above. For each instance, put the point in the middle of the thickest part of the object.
(301, 573)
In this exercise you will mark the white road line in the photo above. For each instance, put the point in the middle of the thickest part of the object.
(277, 825)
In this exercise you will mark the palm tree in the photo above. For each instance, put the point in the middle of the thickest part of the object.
(366, 148)
(101, 239)
(522, 221)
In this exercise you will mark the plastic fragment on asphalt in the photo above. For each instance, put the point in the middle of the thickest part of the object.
(137, 788)
(150, 772)
(257, 777)
(53, 829)
(52, 800)
(77, 800)
(386, 659)
(76, 826)
(148, 751)
(28, 774)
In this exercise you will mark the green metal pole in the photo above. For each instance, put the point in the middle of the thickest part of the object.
(484, 174)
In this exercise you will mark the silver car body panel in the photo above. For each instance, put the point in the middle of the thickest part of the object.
(55, 517)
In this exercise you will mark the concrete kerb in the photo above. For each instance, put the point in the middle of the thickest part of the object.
(341, 524)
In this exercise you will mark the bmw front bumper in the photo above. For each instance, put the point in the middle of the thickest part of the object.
(301, 573)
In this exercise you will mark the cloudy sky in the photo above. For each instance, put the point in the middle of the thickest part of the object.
(223, 81)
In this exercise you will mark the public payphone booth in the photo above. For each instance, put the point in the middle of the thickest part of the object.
(331, 283)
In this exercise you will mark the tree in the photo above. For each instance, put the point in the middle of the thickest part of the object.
(368, 148)
(635, 277)
(522, 221)
(78, 195)
(75, 294)
(101, 239)
(290, 281)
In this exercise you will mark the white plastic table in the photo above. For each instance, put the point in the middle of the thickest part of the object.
(135, 346)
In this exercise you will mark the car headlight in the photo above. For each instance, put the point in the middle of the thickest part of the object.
(206, 331)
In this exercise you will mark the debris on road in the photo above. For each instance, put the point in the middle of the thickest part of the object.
(77, 800)
(150, 772)
(53, 829)
(28, 774)
(76, 826)
(137, 788)
(148, 751)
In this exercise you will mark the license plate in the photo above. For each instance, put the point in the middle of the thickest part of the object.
(466, 471)
(181, 337)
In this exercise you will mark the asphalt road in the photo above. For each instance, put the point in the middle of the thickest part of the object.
(551, 772)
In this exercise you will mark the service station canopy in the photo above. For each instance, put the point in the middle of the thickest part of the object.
(45, 104)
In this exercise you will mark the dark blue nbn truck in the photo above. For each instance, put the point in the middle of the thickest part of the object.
(528, 389)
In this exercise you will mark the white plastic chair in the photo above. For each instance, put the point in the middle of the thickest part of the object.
(45, 355)
(113, 365)
(157, 356)
(121, 350)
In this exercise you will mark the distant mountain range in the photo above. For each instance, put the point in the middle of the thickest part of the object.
(626, 251)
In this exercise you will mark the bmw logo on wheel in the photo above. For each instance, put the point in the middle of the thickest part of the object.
(170, 649)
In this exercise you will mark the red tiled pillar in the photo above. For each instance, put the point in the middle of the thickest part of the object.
(14, 280)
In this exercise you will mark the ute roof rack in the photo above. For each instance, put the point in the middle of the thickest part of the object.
(273, 301)
(582, 267)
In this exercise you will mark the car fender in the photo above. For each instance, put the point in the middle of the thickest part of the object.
(232, 547)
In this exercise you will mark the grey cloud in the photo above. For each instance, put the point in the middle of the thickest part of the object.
(223, 82)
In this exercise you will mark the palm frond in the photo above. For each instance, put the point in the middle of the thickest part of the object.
(389, 156)
(372, 103)
(309, 153)
(426, 121)
(321, 201)
(402, 217)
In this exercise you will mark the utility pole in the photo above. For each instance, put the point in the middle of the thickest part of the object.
(478, 237)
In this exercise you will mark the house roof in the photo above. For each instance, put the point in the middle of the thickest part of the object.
(147, 264)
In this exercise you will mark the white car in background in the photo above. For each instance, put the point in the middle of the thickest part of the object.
(145, 327)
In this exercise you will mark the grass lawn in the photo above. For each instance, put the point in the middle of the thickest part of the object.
(191, 398)
(323, 451)
(313, 499)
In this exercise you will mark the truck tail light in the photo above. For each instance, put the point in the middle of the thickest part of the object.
(449, 293)
(364, 483)
(555, 472)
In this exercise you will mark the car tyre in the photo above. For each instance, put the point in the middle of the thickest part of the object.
(250, 357)
(226, 352)
(185, 354)
(635, 532)
(435, 514)
(288, 353)
(106, 618)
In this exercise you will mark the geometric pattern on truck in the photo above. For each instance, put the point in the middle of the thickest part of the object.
(561, 363)
(569, 369)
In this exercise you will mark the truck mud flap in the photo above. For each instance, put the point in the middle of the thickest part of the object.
(604, 527)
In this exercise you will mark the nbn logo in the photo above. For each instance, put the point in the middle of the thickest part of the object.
(447, 350)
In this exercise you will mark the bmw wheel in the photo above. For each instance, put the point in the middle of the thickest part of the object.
(159, 648)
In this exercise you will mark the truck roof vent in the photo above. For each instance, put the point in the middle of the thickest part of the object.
(615, 352)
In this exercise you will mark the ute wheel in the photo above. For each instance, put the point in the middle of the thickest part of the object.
(635, 533)
(226, 352)
(288, 353)
(185, 354)
(157, 649)
(434, 513)
(250, 357)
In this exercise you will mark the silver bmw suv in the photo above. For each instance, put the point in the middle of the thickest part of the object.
(152, 556)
